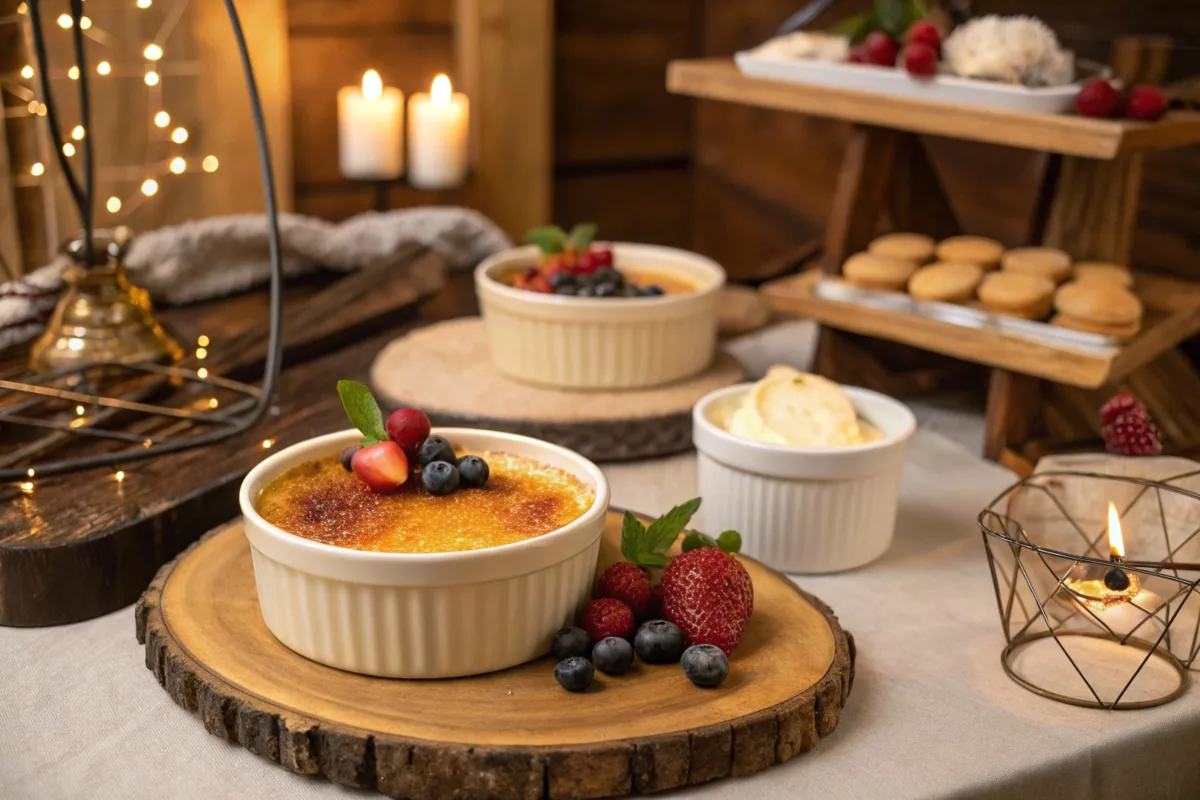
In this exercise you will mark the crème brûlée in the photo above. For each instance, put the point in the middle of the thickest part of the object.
(789, 407)
(321, 501)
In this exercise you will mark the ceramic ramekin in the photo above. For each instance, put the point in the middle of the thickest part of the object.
(602, 343)
(424, 615)
(804, 510)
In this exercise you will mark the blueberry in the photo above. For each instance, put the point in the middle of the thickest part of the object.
(705, 665)
(586, 291)
(605, 275)
(435, 448)
(571, 642)
(613, 656)
(652, 291)
(561, 279)
(574, 674)
(472, 471)
(347, 457)
(439, 477)
(658, 642)
(607, 290)
(629, 290)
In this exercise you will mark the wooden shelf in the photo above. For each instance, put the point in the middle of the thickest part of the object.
(1172, 315)
(719, 79)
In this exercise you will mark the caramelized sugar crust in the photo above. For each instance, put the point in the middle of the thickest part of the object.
(320, 500)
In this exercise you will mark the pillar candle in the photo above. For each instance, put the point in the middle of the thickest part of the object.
(437, 137)
(370, 130)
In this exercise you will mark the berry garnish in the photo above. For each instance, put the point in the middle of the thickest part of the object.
(613, 656)
(347, 457)
(647, 546)
(705, 665)
(602, 255)
(1118, 404)
(628, 583)
(652, 291)
(439, 477)
(435, 448)
(1097, 98)
(472, 471)
(709, 595)
(924, 32)
(920, 60)
(571, 642)
(880, 49)
(381, 466)
(1145, 103)
(574, 674)
(408, 427)
(658, 642)
(857, 55)
(586, 263)
(606, 617)
(1128, 429)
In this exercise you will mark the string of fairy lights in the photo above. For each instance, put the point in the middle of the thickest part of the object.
(142, 180)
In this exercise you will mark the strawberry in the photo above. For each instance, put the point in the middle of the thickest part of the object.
(628, 583)
(708, 594)
(606, 617)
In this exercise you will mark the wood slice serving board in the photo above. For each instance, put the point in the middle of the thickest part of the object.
(446, 371)
(507, 735)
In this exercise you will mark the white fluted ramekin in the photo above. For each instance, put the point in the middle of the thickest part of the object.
(602, 343)
(424, 615)
(803, 510)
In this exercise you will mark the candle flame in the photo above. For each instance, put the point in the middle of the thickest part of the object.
(372, 85)
(441, 90)
(1116, 542)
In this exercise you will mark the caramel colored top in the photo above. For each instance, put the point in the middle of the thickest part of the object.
(321, 501)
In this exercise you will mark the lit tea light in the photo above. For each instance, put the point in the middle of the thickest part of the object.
(27, 487)
(370, 130)
(437, 136)
(1099, 587)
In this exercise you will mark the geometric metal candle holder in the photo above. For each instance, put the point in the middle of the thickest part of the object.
(1082, 625)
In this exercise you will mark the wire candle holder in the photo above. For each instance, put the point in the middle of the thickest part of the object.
(1087, 621)
(131, 424)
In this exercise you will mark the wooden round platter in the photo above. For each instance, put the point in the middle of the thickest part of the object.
(512, 734)
(445, 369)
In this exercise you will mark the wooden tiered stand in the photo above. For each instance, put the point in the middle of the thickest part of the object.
(1041, 398)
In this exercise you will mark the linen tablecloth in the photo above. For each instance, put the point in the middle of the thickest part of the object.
(931, 715)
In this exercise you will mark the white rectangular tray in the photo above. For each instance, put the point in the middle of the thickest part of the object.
(898, 83)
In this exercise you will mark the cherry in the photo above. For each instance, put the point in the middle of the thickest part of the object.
(923, 31)
(1097, 99)
(1145, 103)
(408, 427)
(920, 60)
(880, 49)
(383, 467)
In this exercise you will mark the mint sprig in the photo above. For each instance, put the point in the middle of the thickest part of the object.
(550, 239)
(363, 411)
(582, 236)
(647, 546)
(729, 541)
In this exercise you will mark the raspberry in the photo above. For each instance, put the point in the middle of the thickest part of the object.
(1097, 99)
(1119, 404)
(1128, 429)
(628, 583)
(920, 60)
(880, 49)
(925, 32)
(1145, 103)
(606, 617)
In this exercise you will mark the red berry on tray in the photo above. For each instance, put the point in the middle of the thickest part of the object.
(1128, 429)
(1119, 404)
(1145, 103)
(586, 263)
(920, 60)
(603, 256)
(1097, 98)
(606, 617)
(383, 466)
(857, 55)
(924, 32)
(628, 583)
(708, 594)
(880, 49)
(408, 427)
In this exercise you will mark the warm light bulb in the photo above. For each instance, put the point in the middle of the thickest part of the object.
(178, 165)
(267, 443)
(202, 373)
(441, 90)
(113, 205)
(65, 21)
(202, 340)
(179, 135)
(119, 476)
(21, 9)
(73, 73)
(1116, 542)
(80, 410)
(104, 68)
(213, 403)
(149, 186)
(372, 85)
(151, 78)
(26, 72)
(201, 353)
(31, 472)
(84, 23)
(27, 487)
(37, 169)
(152, 52)
(210, 163)
(143, 3)
(33, 106)
(162, 119)
(41, 109)
(78, 132)
(68, 149)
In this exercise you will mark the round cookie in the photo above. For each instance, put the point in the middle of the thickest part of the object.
(970, 250)
(945, 282)
(877, 272)
(1044, 261)
(1103, 272)
(1120, 332)
(1012, 291)
(1098, 303)
(915, 247)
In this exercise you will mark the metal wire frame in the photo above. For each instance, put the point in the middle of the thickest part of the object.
(221, 425)
(999, 526)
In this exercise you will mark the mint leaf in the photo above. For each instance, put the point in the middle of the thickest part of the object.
(730, 542)
(633, 533)
(695, 540)
(894, 16)
(550, 239)
(582, 235)
(856, 27)
(663, 532)
(363, 411)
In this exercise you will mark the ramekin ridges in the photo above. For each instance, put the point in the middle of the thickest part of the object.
(602, 343)
(424, 615)
(804, 510)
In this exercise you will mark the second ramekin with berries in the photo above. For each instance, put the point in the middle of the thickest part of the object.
(569, 313)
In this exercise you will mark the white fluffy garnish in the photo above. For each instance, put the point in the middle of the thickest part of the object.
(1019, 50)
